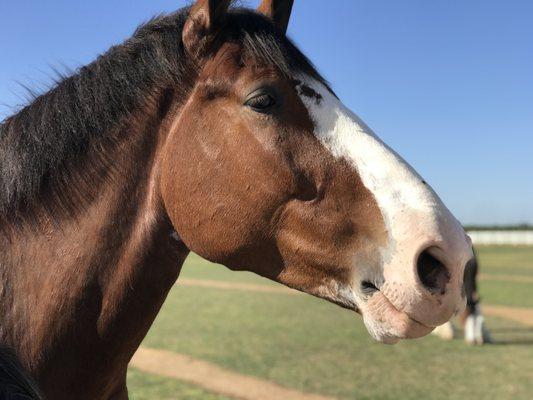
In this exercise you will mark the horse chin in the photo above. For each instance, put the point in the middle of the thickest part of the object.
(386, 324)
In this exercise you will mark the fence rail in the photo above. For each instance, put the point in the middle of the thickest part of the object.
(502, 237)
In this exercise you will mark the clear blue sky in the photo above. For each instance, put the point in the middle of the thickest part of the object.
(448, 84)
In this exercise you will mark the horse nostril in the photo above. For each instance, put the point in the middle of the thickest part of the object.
(433, 274)
(368, 287)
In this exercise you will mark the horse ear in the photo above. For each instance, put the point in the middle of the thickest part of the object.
(203, 22)
(277, 10)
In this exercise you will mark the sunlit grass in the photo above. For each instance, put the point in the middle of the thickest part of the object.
(308, 344)
(149, 387)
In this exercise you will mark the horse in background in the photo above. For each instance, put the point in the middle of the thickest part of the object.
(472, 320)
(207, 131)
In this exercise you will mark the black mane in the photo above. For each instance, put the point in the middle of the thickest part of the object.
(39, 143)
(15, 383)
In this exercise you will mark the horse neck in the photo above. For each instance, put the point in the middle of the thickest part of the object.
(103, 273)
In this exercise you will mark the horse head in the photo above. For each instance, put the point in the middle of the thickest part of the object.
(264, 169)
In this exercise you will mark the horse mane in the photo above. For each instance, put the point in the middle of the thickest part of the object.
(40, 143)
(15, 383)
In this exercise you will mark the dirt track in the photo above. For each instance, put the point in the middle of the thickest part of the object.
(523, 316)
(213, 378)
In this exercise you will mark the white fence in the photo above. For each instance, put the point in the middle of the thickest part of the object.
(502, 237)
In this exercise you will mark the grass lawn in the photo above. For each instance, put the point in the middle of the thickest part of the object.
(149, 387)
(308, 344)
(507, 260)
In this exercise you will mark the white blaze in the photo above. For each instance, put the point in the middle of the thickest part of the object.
(395, 185)
(414, 216)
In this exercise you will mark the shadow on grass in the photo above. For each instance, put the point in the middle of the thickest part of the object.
(511, 329)
(507, 336)
(512, 342)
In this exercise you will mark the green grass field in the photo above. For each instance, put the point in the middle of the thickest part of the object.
(308, 344)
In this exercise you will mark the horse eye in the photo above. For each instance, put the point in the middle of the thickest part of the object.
(261, 102)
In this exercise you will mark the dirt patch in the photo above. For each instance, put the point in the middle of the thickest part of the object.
(523, 316)
(212, 377)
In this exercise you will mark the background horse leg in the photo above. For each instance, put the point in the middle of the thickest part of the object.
(472, 319)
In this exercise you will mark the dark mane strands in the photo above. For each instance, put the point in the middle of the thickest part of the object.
(15, 383)
(39, 145)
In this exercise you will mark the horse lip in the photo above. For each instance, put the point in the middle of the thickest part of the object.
(417, 321)
(400, 311)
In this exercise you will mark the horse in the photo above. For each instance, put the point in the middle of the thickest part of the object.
(207, 131)
(472, 319)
